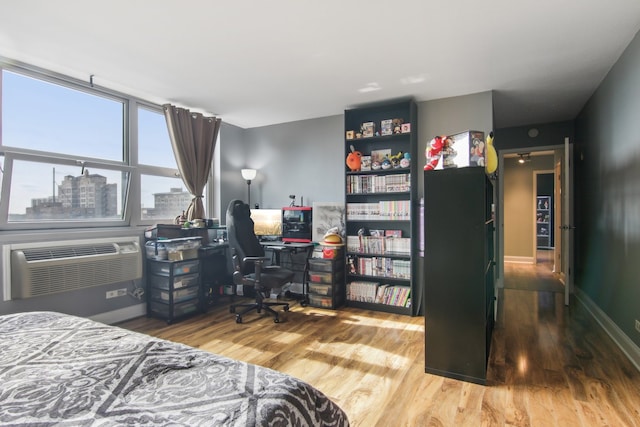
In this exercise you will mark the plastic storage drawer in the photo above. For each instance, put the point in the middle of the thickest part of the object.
(325, 301)
(178, 296)
(325, 265)
(180, 267)
(179, 309)
(324, 277)
(318, 289)
(179, 282)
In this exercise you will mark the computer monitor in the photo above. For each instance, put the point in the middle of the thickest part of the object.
(267, 223)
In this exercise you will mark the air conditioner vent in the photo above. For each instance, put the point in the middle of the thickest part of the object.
(61, 267)
(39, 254)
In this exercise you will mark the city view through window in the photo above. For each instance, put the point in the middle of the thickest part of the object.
(56, 124)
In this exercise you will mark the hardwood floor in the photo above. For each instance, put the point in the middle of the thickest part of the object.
(549, 366)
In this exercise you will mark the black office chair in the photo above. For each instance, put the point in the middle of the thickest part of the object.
(249, 263)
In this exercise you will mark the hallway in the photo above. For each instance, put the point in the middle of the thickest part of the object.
(557, 358)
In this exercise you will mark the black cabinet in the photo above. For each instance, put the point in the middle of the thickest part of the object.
(382, 207)
(459, 272)
(174, 289)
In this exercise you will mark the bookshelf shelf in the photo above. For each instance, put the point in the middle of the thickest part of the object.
(381, 209)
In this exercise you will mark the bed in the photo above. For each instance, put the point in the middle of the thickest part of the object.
(57, 369)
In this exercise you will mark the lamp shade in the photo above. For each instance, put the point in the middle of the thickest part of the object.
(248, 174)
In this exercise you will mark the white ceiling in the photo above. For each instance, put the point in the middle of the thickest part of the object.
(262, 62)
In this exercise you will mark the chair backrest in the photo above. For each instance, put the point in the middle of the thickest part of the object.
(240, 233)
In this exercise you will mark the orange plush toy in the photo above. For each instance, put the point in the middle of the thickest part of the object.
(434, 152)
(354, 159)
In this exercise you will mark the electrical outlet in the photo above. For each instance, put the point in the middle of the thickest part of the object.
(637, 325)
(116, 293)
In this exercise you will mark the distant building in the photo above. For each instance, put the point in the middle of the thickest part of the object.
(169, 204)
(84, 196)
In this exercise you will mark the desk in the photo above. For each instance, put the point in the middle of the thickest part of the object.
(291, 255)
(215, 272)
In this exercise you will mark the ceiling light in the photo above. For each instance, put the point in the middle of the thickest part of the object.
(524, 157)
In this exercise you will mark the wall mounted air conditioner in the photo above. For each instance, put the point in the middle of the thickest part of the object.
(52, 267)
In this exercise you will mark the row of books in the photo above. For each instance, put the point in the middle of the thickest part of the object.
(379, 266)
(392, 210)
(374, 292)
(379, 244)
(365, 184)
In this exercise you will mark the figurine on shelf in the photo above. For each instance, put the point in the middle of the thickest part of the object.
(434, 152)
(395, 159)
(405, 162)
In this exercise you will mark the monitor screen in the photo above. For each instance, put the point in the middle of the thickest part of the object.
(267, 222)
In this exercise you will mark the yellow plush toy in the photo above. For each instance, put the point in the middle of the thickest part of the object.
(492, 156)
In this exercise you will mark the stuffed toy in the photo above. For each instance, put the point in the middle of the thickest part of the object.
(492, 156)
(354, 159)
(434, 152)
(405, 162)
(395, 159)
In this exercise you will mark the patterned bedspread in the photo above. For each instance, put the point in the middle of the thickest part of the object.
(63, 370)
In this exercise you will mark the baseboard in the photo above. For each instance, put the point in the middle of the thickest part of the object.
(121, 314)
(628, 347)
(520, 259)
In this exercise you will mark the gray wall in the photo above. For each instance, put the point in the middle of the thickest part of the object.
(519, 205)
(608, 194)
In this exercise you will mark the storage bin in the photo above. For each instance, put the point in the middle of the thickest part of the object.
(178, 295)
(325, 265)
(156, 250)
(320, 301)
(317, 289)
(325, 277)
(179, 309)
(186, 267)
(179, 282)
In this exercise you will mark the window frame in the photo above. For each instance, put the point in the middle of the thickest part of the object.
(131, 202)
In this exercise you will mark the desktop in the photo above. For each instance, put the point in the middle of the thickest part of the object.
(296, 224)
(267, 223)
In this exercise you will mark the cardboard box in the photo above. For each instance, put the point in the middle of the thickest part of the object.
(466, 149)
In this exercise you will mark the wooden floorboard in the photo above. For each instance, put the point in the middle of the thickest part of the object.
(550, 365)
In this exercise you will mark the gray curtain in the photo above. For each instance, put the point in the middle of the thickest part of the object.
(193, 138)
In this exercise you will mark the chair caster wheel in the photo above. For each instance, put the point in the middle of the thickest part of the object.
(276, 320)
(238, 319)
(286, 308)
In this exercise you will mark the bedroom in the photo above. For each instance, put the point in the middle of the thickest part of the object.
(276, 149)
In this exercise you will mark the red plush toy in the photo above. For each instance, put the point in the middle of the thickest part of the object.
(434, 152)
(354, 159)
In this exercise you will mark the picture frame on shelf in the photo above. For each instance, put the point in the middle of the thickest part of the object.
(405, 128)
(378, 156)
(365, 163)
(386, 127)
(368, 129)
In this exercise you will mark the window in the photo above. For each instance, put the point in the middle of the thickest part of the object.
(72, 155)
(58, 192)
(47, 117)
(154, 145)
(162, 193)
(163, 197)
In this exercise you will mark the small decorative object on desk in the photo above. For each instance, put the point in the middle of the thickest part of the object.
(405, 128)
(386, 127)
(368, 129)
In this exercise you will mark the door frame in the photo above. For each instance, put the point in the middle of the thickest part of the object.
(500, 210)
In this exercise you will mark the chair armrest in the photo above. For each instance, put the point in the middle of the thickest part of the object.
(255, 259)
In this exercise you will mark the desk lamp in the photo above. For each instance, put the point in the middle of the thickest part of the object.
(248, 174)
